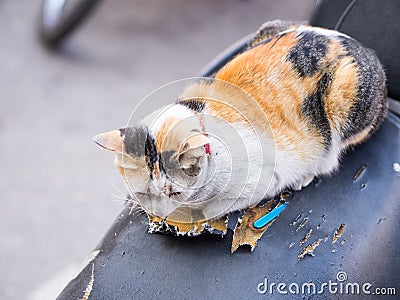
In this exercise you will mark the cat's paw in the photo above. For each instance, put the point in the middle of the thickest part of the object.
(304, 183)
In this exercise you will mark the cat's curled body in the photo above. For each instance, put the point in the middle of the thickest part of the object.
(320, 92)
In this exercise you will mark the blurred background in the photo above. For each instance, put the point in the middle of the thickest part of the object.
(59, 193)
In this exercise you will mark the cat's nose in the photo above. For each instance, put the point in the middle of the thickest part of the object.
(170, 192)
(168, 189)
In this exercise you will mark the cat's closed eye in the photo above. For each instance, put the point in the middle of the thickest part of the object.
(192, 171)
(189, 161)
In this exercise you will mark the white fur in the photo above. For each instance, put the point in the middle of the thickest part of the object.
(243, 168)
(322, 31)
(319, 30)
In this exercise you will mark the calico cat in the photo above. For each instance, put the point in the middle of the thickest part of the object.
(274, 117)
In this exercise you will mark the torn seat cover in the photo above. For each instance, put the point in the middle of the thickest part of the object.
(242, 224)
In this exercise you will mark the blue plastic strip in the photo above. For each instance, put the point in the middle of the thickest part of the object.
(264, 220)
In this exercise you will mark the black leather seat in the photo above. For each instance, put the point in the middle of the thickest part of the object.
(133, 264)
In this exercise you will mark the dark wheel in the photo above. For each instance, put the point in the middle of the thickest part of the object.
(59, 18)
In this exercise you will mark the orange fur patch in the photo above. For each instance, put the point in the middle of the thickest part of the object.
(278, 90)
(162, 135)
(342, 93)
(359, 138)
(273, 93)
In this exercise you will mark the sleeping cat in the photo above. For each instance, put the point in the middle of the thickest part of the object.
(274, 117)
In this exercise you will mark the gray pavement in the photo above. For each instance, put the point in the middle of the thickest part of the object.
(58, 192)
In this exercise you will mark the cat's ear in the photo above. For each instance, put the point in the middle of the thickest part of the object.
(111, 140)
(191, 153)
(193, 142)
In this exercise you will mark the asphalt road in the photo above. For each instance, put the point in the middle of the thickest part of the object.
(59, 193)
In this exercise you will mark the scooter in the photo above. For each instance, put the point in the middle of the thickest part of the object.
(60, 18)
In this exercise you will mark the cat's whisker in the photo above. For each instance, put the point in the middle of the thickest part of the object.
(120, 197)
(136, 213)
(112, 183)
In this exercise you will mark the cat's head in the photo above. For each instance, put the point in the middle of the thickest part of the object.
(163, 163)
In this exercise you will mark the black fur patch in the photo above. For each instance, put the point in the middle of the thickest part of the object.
(193, 104)
(168, 163)
(313, 108)
(151, 153)
(138, 142)
(307, 53)
(370, 107)
(135, 140)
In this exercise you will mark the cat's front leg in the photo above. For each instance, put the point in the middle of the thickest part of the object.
(305, 182)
